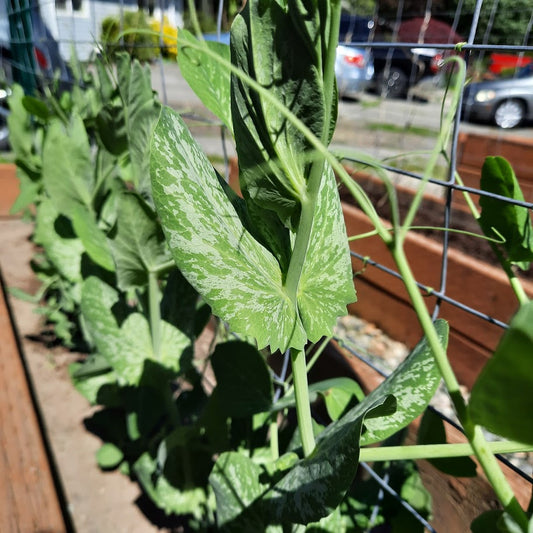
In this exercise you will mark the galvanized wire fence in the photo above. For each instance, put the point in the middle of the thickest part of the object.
(38, 37)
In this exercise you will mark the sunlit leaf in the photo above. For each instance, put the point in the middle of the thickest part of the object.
(55, 234)
(69, 180)
(502, 219)
(208, 79)
(92, 237)
(502, 399)
(238, 277)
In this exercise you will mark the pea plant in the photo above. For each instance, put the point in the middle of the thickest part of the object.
(141, 242)
(275, 266)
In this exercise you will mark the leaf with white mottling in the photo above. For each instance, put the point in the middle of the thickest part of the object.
(207, 78)
(413, 383)
(235, 481)
(326, 284)
(315, 486)
(239, 278)
(128, 346)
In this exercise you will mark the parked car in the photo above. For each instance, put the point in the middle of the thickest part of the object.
(504, 102)
(354, 70)
(395, 68)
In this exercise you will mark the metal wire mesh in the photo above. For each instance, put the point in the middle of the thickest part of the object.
(75, 27)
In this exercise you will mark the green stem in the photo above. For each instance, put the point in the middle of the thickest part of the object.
(311, 362)
(274, 441)
(155, 313)
(303, 407)
(435, 451)
(474, 434)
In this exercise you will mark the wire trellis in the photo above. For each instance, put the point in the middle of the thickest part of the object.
(17, 54)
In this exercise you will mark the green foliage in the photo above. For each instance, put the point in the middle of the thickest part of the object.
(505, 220)
(135, 36)
(115, 217)
(508, 25)
(508, 375)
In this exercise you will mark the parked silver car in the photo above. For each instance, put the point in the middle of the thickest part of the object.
(504, 102)
(354, 70)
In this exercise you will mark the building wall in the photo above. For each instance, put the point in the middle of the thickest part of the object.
(83, 27)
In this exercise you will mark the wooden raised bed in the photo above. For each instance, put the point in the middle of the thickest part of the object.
(474, 147)
(29, 500)
(29, 496)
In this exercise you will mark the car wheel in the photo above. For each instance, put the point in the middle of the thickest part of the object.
(394, 85)
(509, 113)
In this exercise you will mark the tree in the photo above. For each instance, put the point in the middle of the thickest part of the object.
(500, 21)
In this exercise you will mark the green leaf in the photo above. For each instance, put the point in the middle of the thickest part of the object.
(138, 244)
(501, 398)
(36, 107)
(29, 192)
(54, 233)
(274, 156)
(89, 386)
(494, 521)
(92, 237)
(109, 456)
(499, 218)
(207, 78)
(415, 494)
(22, 132)
(141, 110)
(244, 385)
(111, 127)
(413, 383)
(338, 394)
(315, 486)
(341, 394)
(128, 346)
(68, 169)
(239, 278)
(235, 481)
(432, 431)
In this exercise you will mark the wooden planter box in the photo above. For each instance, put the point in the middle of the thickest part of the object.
(9, 188)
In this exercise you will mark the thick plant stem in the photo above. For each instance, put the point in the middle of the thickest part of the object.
(155, 312)
(474, 434)
(435, 451)
(303, 407)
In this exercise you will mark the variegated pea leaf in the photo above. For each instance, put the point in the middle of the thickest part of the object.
(307, 491)
(127, 345)
(238, 277)
(138, 244)
(413, 383)
(209, 79)
(55, 234)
